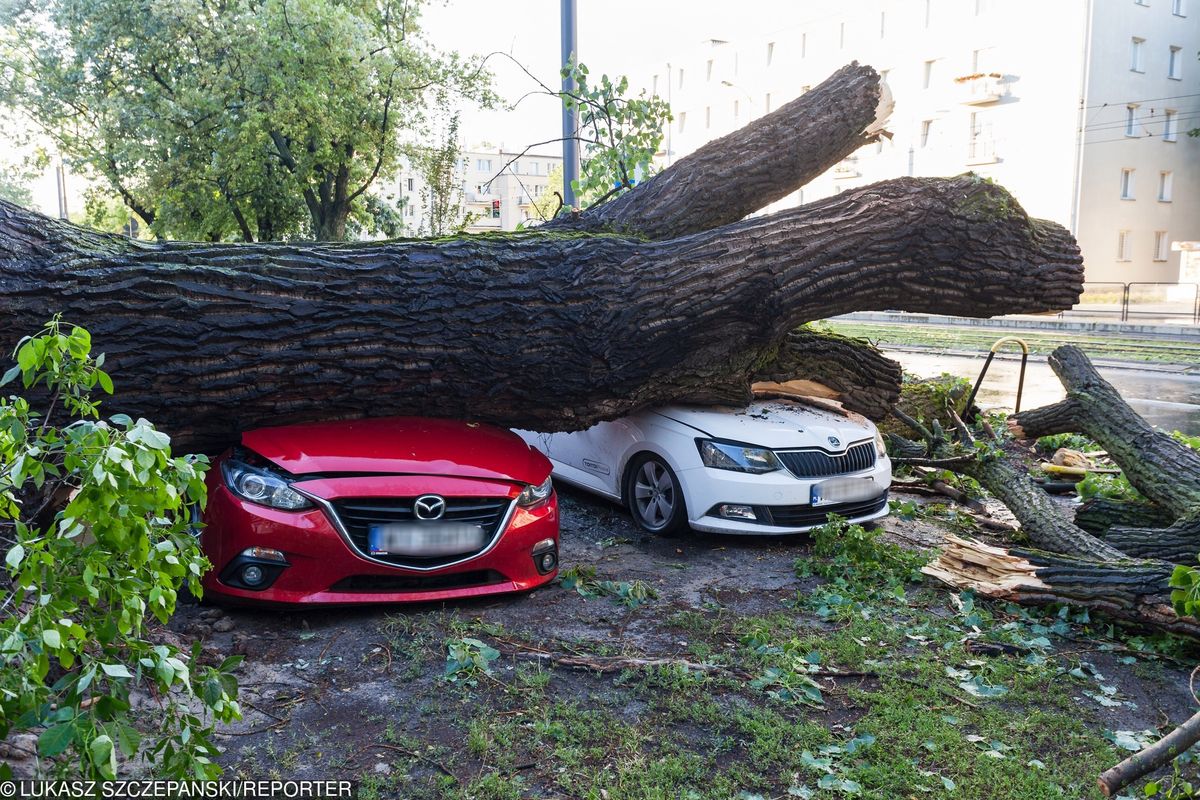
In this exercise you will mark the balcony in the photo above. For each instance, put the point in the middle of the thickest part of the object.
(981, 88)
(847, 168)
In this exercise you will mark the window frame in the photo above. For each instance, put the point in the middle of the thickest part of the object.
(1127, 183)
(1137, 51)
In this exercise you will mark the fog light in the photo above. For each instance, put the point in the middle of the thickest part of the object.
(252, 575)
(264, 553)
(736, 512)
(548, 561)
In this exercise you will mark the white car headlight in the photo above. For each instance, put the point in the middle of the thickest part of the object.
(880, 444)
(262, 486)
(737, 457)
(532, 495)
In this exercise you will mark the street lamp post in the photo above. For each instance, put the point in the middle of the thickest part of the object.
(570, 118)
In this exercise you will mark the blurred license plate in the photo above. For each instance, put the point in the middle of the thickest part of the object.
(844, 490)
(424, 539)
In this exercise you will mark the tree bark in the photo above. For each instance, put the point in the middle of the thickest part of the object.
(1099, 514)
(753, 167)
(550, 331)
(1165, 750)
(1165, 471)
(1129, 589)
(851, 371)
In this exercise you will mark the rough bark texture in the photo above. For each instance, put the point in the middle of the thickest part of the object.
(1041, 520)
(1178, 543)
(1099, 514)
(753, 167)
(539, 330)
(852, 370)
(1129, 589)
(1165, 471)
(1166, 749)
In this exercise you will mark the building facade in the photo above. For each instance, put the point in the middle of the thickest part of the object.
(496, 188)
(1079, 107)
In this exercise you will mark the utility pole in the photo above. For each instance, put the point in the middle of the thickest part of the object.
(60, 179)
(570, 118)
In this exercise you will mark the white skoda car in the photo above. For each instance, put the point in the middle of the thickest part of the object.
(774, 467)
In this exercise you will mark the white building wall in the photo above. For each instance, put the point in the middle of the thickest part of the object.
(1110, 148)
(1021, 129)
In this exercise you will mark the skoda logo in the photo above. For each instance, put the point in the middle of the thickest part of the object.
(429, 507)
(833, 440)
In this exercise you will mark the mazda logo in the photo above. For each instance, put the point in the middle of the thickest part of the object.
(836, 442)
(429, 507)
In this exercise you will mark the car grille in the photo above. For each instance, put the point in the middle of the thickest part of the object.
(358, 514)
(804, 516)
(819, 464)
(417, 583)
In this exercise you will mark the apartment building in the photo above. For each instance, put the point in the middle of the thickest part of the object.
(496, 187)
(1079, 107)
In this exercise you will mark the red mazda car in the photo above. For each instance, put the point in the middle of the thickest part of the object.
(379, 511)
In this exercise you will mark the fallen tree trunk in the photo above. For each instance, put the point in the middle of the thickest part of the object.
(548, 331)
(1126, 589)
(753, 167)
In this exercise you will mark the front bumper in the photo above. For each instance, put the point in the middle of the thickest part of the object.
(323, 567)
(705, 488)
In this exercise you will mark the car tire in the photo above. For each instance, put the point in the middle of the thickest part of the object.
(654, 497)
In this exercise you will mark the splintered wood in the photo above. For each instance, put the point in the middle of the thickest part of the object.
(990, 571)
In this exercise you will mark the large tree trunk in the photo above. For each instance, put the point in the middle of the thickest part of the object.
(554, 330)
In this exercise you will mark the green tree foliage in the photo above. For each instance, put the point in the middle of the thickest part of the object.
(95, 524)
(438, 167)
(217, 119)
(619, 134)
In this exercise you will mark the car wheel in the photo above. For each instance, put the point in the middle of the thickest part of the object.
(654, 496)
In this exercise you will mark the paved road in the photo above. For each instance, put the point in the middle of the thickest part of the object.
(1169, 400)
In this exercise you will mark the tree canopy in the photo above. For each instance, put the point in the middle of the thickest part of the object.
(232, 119)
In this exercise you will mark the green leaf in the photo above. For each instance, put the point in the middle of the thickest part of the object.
(105, 381)
(10, 375)
(14, 557)
(52, 638)
(116, 670)
(56, 739)
(103, 755)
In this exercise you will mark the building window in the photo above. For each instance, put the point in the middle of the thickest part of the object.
(1169, 128)
(736, 109)
(928, 12)
(770, 53)
(483, 164)
(682, 120)
(410, 184)
(1124, 239)
(1162, 245)
(928, 76)
(803, 45)
(882, 24)
(1165, 181)
(1141, 3)
(768, 103)
(1177, 8)
(1127, 184)
(708, 117)
(681, 77)
(1175, 64)
(1131, 123)
(926, 128)
(1135, 54)
(654, 86)
(708, 69)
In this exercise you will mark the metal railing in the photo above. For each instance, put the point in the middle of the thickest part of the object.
(1138, 302)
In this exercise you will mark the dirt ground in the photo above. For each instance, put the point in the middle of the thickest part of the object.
(360, 693)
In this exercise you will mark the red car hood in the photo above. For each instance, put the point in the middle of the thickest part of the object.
(400, 445)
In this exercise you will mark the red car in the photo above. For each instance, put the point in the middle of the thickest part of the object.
(379, 511)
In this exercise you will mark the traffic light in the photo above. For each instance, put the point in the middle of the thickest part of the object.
(495, 209)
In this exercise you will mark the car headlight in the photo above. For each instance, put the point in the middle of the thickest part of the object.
(737, 457)
(532, 495)
(262, 486)
(880, 444)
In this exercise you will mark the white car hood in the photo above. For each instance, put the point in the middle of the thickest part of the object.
(777, 424)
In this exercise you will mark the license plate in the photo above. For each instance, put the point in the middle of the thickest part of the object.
(424, 539)
(843, 490)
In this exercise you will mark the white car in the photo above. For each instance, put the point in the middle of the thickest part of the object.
(776, 466)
